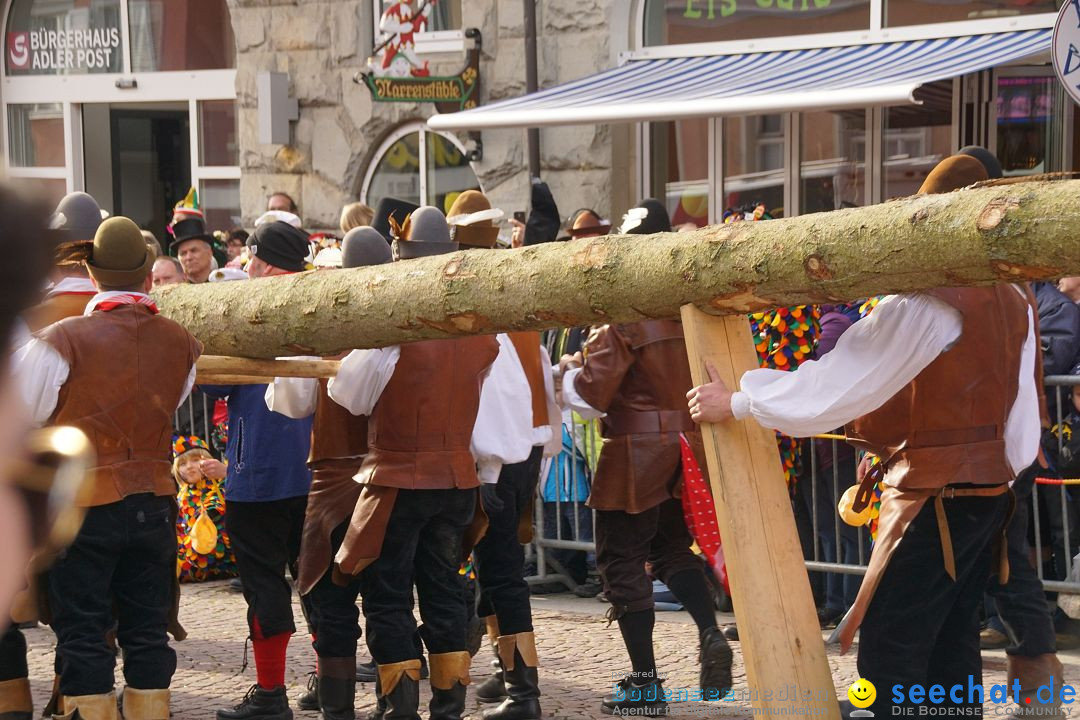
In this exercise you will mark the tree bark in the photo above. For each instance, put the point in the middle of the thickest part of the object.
(1025, 231)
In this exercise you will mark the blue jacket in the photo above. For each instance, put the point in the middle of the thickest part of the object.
(267, 452)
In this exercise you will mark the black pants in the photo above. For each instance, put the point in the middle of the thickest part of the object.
(921, 626)
(422, 545)
(123, 556)
(500, 558)
(1021, 603)
(624, 542)
(13, 655)
(332, 609)
(266, 539)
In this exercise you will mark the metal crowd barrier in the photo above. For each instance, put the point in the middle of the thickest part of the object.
(573, 533)
(563, 549)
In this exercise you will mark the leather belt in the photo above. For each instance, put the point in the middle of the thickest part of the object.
(647, 421)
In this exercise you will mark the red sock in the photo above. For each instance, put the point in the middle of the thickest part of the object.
(269, 657)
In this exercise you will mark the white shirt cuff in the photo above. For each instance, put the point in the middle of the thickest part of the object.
(740, 405)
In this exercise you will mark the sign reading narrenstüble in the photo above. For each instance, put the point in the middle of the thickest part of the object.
(1065, 48)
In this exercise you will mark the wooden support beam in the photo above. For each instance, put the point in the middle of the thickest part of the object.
(255, 367)
(778, 626)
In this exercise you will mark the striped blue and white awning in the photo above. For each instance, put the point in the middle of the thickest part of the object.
(834, 77)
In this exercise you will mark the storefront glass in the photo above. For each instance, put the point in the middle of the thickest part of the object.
(397, 173)
(915, 139)
(1029, 111)
(449, 172)
(171, 35)
(217, 133)
(36, 135)
(833, 160)
(220, 201)
(920, 12)
(64, 37)
(680, 169)
(677, 22)
(754, 162)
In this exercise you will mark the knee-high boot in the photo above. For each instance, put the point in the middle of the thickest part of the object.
(517, 653)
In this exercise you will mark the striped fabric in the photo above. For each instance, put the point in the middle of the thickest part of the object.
(835, 77)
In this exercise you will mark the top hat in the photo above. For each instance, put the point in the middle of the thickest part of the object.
(387, 208)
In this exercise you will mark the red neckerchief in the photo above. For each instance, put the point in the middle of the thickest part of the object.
(121, 300)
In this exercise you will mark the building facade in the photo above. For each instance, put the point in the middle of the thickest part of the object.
(135, 100)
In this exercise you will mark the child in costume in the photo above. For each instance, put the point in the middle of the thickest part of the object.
(203, 548)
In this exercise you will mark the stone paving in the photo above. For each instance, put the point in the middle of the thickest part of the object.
(580, 659)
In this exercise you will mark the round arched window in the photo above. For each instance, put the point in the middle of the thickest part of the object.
(74, 37)
(420, 166)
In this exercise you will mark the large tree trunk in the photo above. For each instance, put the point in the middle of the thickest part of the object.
(1023, 231)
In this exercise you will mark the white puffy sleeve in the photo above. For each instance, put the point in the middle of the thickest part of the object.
(362, 377)
(293, 397)
(871, 362)
(503, 431)
(39, 373)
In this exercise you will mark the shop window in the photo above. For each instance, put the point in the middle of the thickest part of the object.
(425, 168)
(833, 160)
(220, 201)
(677, 22)
(915, 139)
(1029, 110)
(680, 169)
(919, 12)
(36, 135)
(49, 191)
(63, 37)
(170, 35)
(754, 162)
(218, 133)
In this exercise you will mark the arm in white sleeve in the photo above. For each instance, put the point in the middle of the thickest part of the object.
(39, 372)
(362, 377)
(572, 400)
(1022, 427)
(871, 362)
(292, 396)
(553, 446)
(188, 385)
(502, 434)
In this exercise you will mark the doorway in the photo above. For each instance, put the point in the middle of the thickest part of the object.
(138, 160)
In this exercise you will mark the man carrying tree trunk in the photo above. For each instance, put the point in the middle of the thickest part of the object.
(634, 375)
(952, 424)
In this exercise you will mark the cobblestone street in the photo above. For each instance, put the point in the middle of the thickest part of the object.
(580, 659)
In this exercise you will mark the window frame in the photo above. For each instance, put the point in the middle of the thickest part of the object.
(415, 126)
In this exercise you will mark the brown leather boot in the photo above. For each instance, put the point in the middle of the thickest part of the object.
(449, 676)
(15, 700)
(146, 704)
(1040, 671)
(89, 707)
(399, 690)
(517, 654)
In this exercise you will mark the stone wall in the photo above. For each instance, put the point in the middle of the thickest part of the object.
(321, 44)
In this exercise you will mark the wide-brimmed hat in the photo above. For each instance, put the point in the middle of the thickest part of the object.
(76, 219)
(578, 223)
(120, 257)
(953, 173)
(471, 220)
(424, 233)
(363, 246)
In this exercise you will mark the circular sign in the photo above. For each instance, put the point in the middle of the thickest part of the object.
(1065, 48)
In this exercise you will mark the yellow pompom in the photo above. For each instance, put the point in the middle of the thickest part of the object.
(850, 516)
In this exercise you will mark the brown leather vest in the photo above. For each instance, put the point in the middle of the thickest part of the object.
(128, 369)
(56, 308)
(337, 436)
(947, 426)
(527, 345)
(421, 428)
(652, 396)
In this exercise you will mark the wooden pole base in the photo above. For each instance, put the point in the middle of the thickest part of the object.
(786, 665)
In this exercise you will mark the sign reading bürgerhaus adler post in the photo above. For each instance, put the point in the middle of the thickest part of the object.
(396, 74)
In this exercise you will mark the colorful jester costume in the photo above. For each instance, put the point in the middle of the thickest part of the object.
(203, 548)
